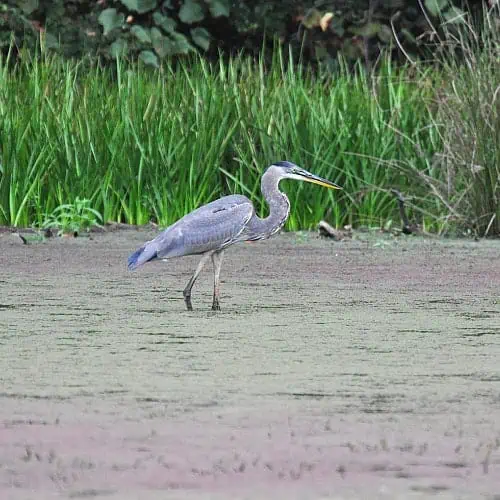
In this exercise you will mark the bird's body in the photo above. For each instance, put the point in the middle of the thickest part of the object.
(212, 226)
(210, 229)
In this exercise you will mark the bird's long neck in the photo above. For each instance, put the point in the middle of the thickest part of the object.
(279, 208)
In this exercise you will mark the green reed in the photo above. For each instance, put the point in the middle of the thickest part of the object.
(145, 145)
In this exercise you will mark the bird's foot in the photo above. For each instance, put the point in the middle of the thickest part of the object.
(187, 300)
(215, 305)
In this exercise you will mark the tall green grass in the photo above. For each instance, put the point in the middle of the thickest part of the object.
(459, 186)
(143, 145)
(468, 119)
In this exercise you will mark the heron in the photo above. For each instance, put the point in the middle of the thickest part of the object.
(211, 228)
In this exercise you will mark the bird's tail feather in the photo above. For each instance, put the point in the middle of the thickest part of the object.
(146, 253)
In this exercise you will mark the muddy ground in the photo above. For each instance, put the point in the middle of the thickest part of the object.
(360, 369)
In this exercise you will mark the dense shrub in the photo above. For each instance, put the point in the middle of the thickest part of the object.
(152, 30)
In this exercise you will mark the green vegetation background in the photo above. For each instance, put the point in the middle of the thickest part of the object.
(139, 110)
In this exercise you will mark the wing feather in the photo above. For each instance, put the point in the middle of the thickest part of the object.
(210, 227)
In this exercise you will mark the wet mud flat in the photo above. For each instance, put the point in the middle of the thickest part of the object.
(357, 369)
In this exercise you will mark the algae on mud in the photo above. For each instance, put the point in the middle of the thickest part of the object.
(378, 374)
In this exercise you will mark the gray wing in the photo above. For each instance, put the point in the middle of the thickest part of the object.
(210, 227)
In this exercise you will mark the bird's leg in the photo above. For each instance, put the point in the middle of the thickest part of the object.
(217, 262)
(187, 290)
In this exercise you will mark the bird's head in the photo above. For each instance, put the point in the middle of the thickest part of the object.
(288, 170)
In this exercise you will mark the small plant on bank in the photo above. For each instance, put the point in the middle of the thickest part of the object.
(73, 218)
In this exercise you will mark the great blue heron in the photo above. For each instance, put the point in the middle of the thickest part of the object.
(210, 229)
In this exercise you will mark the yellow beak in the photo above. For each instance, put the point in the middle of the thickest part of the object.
(308, 177)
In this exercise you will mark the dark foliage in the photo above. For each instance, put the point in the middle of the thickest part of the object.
(151, 30)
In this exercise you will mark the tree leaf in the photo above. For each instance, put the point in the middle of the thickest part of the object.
(118, 48)
(173, 44)
(368, 30)
(325, 21)
(180, 44)
(140, 6)
(164, 22)
(337, 26)
(110, 19)
(201, 37)
(28, 6)
(320, 52)
(191, 12)
(141, 33)
(312, 18)
(160, 42)
(149, 58)
(219, 8)
(51, 41)
(385, 33)
(435, 6)
(350, 50)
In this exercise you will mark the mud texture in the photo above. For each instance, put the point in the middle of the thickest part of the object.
(363, 369)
